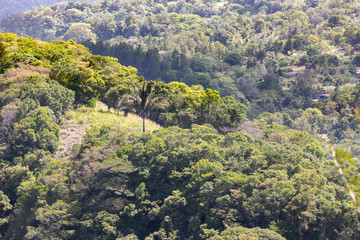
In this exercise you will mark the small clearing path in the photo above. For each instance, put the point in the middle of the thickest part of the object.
(71, 133)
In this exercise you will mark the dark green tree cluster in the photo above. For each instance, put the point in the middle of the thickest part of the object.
(30, 112)
(212, 187)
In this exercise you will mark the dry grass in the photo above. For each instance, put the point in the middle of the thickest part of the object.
(71, 133)
(20, 73)
(103, 115)
(41, 70)
(76, 122)
(298, 68)
(39, 43)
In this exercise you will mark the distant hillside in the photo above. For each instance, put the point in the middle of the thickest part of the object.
(9, 7)
(271, 55)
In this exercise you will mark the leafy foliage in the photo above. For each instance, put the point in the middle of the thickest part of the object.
(269, 55)
(37, 131)
(227, 179)
(10, 7)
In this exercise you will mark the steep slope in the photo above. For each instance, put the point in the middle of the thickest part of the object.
(73, 127)
(40, 84)
(116, 182)
(271, 56)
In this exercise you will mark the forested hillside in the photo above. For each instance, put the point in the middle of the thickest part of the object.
(270, 55)
(273, 57)
(75, 169)
(196, 120)
(9, 7)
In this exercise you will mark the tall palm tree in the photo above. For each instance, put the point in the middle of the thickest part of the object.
(144, 97)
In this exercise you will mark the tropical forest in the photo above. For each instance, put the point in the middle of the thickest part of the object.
(180, 120)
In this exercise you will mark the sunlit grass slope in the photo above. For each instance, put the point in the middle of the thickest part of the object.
(101, 115)
(81, 120)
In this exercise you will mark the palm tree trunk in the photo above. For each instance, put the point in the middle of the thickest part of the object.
(143, 122)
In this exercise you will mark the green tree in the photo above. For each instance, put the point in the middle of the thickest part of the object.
(4, 58)
(48, 93)
(5, 208)
(336, 20)
(37, 131)
(80, 32)
(54, 222)
(230, 113)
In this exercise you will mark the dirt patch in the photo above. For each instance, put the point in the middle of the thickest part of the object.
(19, 74)
(39, 43)
(22, 71)
(41, 70)
(71, 133)
(298, 68)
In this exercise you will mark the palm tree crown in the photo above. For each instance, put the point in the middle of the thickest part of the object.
(144, 97)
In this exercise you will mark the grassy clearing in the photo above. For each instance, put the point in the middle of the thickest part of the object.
(73, 128)
(101, 115)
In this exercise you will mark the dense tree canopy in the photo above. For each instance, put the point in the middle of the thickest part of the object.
(12, 7)
(237, 133)
(259, 52)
